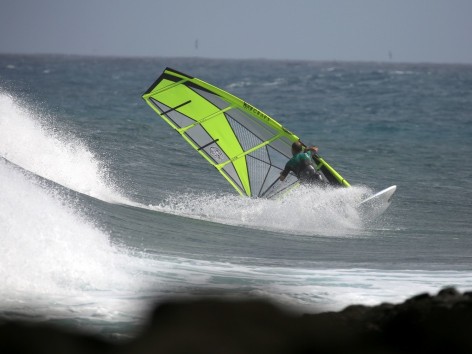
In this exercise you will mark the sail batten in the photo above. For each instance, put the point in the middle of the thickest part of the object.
(244, 144)
(176, 107)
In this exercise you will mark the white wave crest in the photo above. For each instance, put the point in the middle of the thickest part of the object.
(26, 140)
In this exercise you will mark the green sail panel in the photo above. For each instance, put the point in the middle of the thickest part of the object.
(245, 145)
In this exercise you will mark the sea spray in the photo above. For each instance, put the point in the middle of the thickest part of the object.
(47, 246)
(305, 210)
(28, 140)
(56, 263)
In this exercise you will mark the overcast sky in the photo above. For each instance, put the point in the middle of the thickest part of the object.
(438, 31)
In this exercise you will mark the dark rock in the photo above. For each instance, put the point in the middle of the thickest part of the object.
(422, 324)
(448, 292)
(420, 297)
(16, 338)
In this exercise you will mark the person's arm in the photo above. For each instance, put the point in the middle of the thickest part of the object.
(283, 175)
(285, 172)
(312, 149)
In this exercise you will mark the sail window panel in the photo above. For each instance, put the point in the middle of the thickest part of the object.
(230, 171)
(258, 165)
(277, 159)
(259, 128)
(270, 189)
(246, 138)
(213, 98)
(283, 146)
(272, 175)
(261, 154)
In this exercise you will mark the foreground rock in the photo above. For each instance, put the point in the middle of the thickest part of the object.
(422, 324)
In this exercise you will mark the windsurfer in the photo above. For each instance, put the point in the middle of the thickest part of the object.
(302, 164)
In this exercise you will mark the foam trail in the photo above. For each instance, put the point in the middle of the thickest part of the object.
(306, 210)
(65, 160)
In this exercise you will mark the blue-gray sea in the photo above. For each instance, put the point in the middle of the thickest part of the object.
(104, 210)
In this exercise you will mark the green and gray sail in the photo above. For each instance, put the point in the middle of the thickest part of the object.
(244, 144)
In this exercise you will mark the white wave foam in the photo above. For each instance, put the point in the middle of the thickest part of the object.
(56, 264)
(26, 140)
(305, 210)
(302, 289)
(48, 249)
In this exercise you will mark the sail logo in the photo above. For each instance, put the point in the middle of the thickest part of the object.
(216, 153)
(256, 111)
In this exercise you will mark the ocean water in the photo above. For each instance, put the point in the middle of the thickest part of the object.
(105, 211)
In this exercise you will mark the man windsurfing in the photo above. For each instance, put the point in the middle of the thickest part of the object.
(302, 164)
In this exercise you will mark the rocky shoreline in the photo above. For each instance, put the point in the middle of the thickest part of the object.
(440, 323)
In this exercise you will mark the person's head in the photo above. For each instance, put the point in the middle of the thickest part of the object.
(297, 148)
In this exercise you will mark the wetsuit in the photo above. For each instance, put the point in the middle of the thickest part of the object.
(302, 165)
